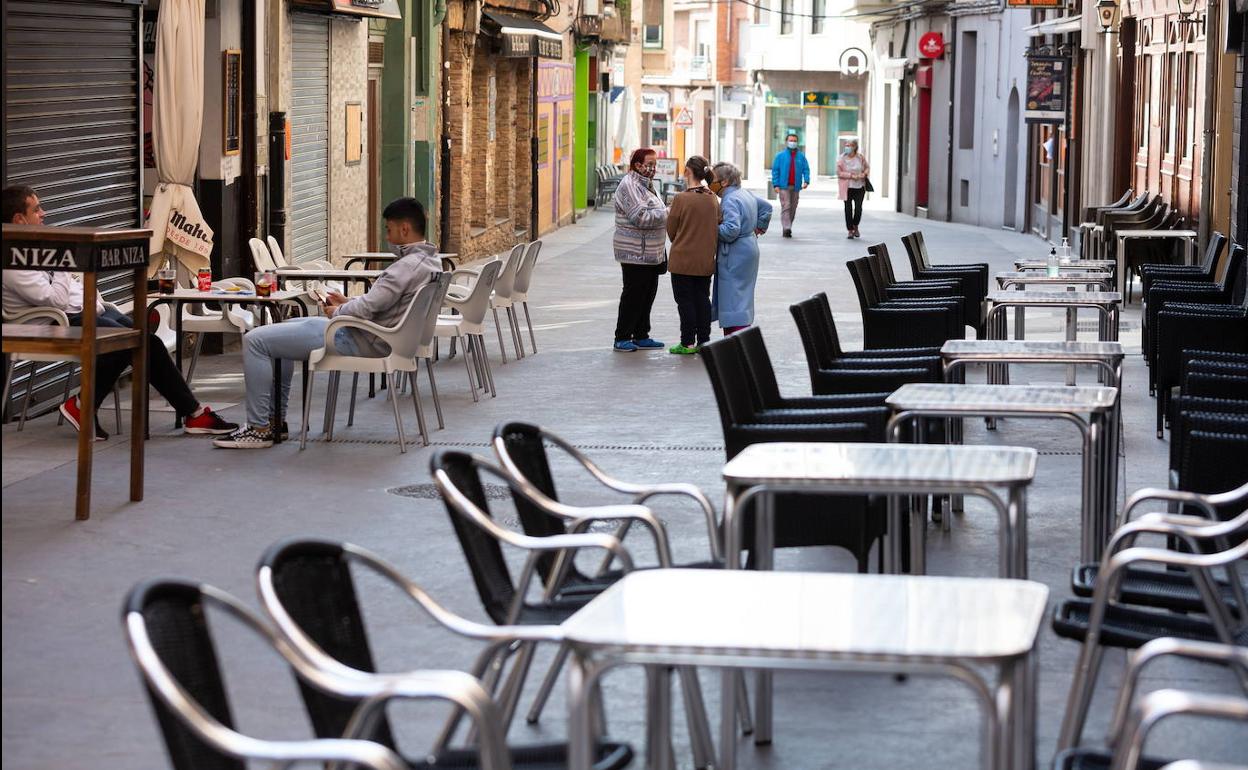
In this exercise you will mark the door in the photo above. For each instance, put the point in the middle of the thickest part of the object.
(1009, 216)
(374, 158)
(309, 139)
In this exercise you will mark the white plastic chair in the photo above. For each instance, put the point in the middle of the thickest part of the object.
(524, 276)
(410, 341)
(501, 298)
(469, 325)
(271, 254)
(57, 317)
(198, 320)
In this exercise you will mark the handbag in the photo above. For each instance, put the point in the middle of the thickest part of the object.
(866, 184)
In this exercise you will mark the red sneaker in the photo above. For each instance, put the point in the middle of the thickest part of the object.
(208, 423)
(71, 411)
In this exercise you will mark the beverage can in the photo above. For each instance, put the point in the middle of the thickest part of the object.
(204, 279)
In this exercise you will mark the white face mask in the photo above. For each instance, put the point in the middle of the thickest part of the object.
(792, 145)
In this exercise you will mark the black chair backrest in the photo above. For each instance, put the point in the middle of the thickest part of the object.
(916, 250)
(725, 365)
(864, 283)
(527, 450)
(821, 347)
(799, 314)
(314, 584)
(882, 264)
(1239, 280)
(1213, 250)
(490, 574)
(177, 626)
(766, 390)
(1229, 274)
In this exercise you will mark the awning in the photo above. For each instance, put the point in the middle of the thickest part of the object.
(378, 9)
(523, 38)
(1059, 26)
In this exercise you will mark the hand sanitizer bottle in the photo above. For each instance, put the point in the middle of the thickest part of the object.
(1065, 249)
(1051, 267)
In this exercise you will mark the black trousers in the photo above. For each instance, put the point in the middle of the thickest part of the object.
(853, 207)
(693, 302)
(641, 283)
(162, 373)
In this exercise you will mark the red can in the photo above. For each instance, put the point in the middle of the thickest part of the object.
(204, 279)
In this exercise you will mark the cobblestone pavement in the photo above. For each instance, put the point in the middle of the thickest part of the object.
(71, 698)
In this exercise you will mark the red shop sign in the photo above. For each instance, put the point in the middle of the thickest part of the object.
(932, 45)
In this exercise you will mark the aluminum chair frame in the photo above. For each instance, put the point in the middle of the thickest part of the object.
(504, 288)
(1159, 705)
(1113, 567)
(165, 688)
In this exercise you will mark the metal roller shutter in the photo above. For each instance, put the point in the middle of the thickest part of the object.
(309, 139)
(72, 122)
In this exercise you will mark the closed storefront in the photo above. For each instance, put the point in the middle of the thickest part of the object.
(72, 122)
(309, 138)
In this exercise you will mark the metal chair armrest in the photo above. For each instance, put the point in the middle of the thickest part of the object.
(585, 517)
(1159, 704)
(1146, 494)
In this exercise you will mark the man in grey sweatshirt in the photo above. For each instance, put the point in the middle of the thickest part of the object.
(294, 340)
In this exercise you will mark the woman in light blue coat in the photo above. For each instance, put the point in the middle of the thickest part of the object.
(745, 217)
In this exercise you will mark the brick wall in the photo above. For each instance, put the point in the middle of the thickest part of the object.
(490, 196)
(1239, 154)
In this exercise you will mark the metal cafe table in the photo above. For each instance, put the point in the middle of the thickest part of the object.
(449, 259)
(88, 251)
(1024, 278)
(737, 619)
(1104, 302)
(998, 354)
(1187, 236)
(271, 303)
(366, 277)
(1090, 409)
(1026, 265)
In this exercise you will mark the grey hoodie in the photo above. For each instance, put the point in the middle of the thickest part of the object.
(385, 303)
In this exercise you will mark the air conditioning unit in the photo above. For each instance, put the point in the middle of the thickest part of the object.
(591, 7)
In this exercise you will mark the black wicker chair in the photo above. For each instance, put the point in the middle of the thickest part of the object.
(1228, 289)
(1219, 328)
(974, 275)
(766, 389)
(848, 521)
(903, 323)
(308, 588)
(1200, 272)
(956, 285)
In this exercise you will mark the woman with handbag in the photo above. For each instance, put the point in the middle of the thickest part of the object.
(640, 238)
(851, 175)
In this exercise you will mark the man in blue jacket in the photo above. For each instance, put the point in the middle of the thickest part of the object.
(790, 174)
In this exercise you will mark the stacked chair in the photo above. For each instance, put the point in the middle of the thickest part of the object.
(1088, 225)
(1103, 219)
(1187, 600)
(1178, 316)
(939, 285)
(1147, 217)
(1150, 272)
(927, 320)
(974, 275)
(1154, 251)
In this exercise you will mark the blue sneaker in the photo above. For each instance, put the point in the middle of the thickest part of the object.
(624, 346)
(647, 343)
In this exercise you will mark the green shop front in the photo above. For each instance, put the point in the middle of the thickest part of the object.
(822, 120)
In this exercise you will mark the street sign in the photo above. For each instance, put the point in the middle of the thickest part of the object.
(931, 45)
(853, 61)
(825, 99)
(684, 119)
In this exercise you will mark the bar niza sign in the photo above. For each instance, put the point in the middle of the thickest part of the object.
(74, 257)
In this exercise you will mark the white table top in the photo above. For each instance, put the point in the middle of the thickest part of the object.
(335, 274)
(988, 399)
(876, 466)
(1156, 233)
(226, 296)
(1066, 264)
(1002, 349)
(813, 616)
(1049, 297)
(1097, 276)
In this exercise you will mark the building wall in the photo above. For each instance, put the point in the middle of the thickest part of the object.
(1239, 163)
(348, 184)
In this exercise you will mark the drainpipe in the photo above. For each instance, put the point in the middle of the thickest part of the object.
(277, 176)
(953, 77)
(1210, 117)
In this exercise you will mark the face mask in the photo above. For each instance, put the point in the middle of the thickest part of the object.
(716, 187)
(647, 171)
(791, 145)
(402, 250)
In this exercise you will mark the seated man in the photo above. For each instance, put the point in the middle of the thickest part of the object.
(40, 288)
(294, 340)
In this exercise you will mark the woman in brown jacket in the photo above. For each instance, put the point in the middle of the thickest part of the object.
(692, 226)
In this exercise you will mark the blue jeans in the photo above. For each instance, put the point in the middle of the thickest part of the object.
(290, 341)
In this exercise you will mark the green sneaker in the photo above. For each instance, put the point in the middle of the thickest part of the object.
(682, 350)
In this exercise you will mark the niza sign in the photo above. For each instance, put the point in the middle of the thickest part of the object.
(75, 257)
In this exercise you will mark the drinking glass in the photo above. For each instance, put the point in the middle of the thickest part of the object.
(166, 280)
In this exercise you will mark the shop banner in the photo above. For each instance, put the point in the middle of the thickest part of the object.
(1046, 89)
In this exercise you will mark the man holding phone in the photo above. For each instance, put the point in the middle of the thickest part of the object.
(294, 340)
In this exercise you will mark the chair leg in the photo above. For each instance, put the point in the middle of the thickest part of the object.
(529, 322)
(117, 407)
(331, 405)
(8, 386)
(695, 714)
(514, 323)
(548, 684)
(307, 412)
(1080, 697)
(433, 386)
(485, 361)
(420, 411)
(472, 386)
(1161, 411)
(393, 386)
(199, 344)
(355, 382)
(510, 695)
(60, 418)
(499, 331)
(30, 385)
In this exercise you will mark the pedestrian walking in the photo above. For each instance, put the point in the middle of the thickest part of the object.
(743, 217)
(790, 174)
(692, 225)
(640, 238)
(851, 175)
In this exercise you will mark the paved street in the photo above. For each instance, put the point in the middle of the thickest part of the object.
(72, 699)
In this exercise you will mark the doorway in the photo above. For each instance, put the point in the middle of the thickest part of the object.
(1009, 217)
(373, 142)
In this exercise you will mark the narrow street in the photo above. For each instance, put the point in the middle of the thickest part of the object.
(71, 698)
